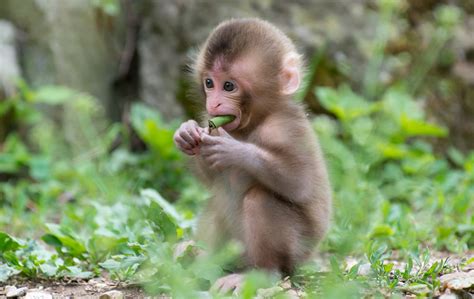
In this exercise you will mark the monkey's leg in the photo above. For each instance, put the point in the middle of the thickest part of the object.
(272, 232)
(271, 237)
(212, 230)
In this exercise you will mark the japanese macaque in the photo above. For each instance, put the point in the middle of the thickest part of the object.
(265, 168)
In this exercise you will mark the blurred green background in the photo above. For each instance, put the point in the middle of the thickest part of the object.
(91, 183)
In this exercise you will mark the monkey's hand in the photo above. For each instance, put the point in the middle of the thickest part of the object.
(221, 151)
(188, 137)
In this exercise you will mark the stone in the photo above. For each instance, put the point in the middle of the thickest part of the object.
(458, 280)
(12, 291)
(114, 294)
(101, 285)
(38, 295)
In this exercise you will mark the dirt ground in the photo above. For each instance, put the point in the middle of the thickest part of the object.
(93, 288)
(458, 283)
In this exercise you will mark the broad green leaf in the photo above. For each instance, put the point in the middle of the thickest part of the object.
(60, 237)
(160, 139)
(139, 114)
(392, 151)
(382, 230)
(414, 127)
(456, 156)
(361, 130)
(48, 270)
(40, 168)
(11, 258)
(147, 122)
(77, 272)
(8, 163)
(396, 102)
(103, 245)
(52, 240)
(388, 267)
(8, 243)
(344, 103)
(110, 264)
(168, 208)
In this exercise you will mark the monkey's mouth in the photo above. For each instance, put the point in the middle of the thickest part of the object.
(233, 124)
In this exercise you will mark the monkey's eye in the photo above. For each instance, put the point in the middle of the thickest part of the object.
(209, 83)
(229, 86)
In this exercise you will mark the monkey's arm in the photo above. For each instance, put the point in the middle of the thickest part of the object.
(203, 171)
(281, 171)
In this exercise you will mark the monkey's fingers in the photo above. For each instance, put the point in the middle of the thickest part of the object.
(184, 146)
(186, 135)
(196, 150)
(196, 133)
(190, 152)
(223, 132)
(209, 139)
(181, 143)
(208, 150)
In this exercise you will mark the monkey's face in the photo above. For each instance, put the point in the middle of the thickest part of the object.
(224, 94)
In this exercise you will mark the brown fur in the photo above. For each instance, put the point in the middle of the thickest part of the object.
(275, 196)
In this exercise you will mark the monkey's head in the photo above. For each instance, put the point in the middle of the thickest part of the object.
(247, 68)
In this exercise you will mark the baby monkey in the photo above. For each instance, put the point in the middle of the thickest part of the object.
(264, 168)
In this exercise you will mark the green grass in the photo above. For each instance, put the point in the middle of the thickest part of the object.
(67, 213)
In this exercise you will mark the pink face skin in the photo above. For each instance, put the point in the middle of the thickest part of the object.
(223, 94)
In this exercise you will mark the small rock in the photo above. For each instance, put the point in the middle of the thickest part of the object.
(101, 285)
(449, 296)
(96, 280)
(114, 294)
(38, 295)
(12, 291)
(458, 280)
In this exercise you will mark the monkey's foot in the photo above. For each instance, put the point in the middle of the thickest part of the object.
(232, 282)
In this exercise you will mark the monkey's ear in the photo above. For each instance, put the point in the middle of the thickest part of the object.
(290, 74)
